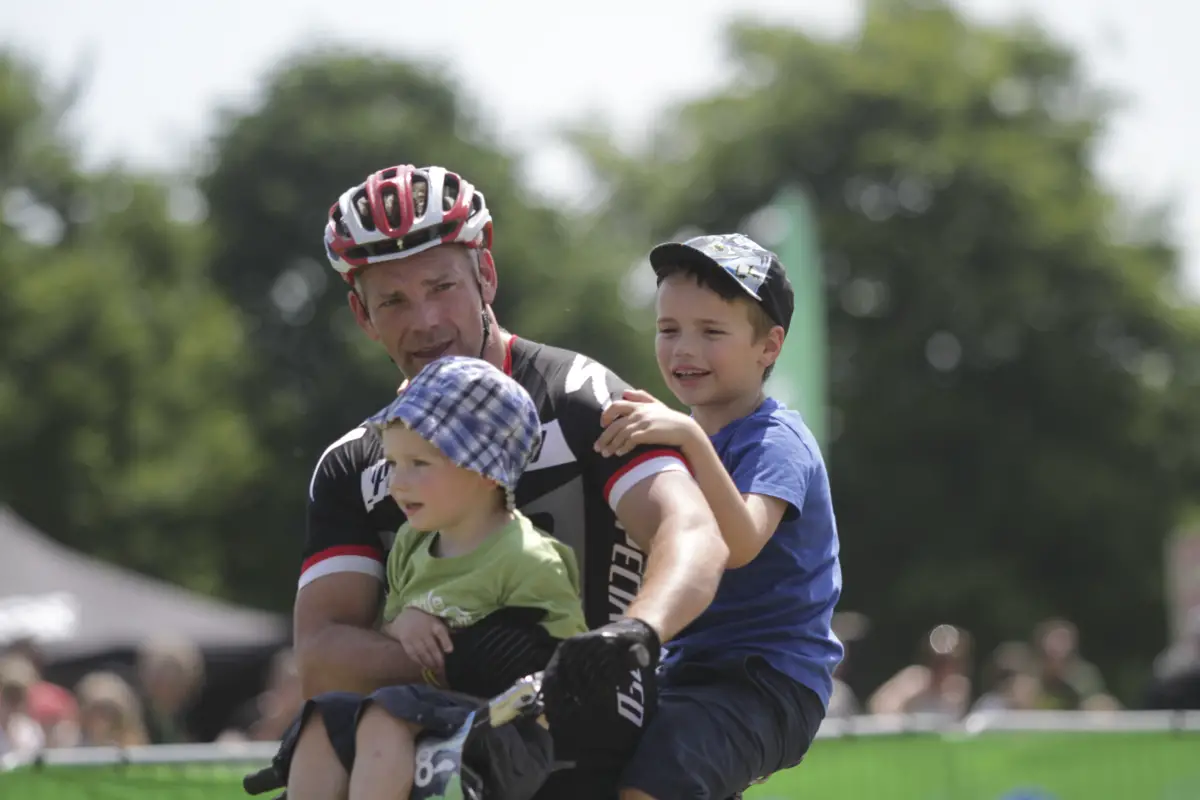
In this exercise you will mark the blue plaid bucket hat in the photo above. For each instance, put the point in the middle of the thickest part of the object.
(480, 418)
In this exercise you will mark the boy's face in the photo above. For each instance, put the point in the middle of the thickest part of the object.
(431, 490)
(705, 345)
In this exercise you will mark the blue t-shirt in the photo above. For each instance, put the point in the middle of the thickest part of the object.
(780, 605)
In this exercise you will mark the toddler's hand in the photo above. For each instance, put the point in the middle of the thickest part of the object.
(425, 638)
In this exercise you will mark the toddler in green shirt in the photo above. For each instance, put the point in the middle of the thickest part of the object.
(457, 439)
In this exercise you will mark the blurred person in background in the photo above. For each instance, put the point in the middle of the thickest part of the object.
(20, 735)
(1176, 680)
(938, 685)
(850, 627)
(1183, 654)
(1012, 679)
(266, 717)
(170, 674)
(1066, 681)
(110, 713)
(50, 705)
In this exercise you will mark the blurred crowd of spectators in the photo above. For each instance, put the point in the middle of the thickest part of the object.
(1045, 673)
(150, 703)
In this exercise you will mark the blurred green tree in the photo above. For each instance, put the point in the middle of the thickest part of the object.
(1013, 388)
(120, 432)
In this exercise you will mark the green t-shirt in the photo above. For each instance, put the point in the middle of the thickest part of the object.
(516, 566)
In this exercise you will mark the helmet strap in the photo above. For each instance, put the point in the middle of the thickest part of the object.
(480, 255)
(487, 332)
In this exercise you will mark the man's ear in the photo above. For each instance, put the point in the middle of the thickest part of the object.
(488, 279)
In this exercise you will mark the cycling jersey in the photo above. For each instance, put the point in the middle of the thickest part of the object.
(568, 490)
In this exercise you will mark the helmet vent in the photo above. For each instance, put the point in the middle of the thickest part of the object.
(363, 207)
(450, 193)
(391, 205)
(420, 195)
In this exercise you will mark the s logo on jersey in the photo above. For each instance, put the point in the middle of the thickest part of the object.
(375, 479)
(584, 371)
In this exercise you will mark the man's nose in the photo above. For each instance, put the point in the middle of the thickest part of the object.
(428, 316)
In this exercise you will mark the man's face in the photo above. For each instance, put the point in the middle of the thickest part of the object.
(425, 306)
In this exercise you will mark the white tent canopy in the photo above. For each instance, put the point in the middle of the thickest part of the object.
(76, 606)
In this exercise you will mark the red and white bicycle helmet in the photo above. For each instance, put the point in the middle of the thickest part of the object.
(389, 216)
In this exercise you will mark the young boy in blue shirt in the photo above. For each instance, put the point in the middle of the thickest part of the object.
(744, 688)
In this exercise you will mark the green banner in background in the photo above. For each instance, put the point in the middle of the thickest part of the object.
(800, 380)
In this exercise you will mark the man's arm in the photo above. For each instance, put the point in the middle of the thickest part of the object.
(341, 580)
(667, 517)
(657, 503)
(337, 648)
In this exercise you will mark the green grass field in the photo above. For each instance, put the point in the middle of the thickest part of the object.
(1026, 766)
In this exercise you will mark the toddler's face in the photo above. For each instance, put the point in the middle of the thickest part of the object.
(705, 344)
(431, 490)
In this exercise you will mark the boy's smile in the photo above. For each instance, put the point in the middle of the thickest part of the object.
(689, 376)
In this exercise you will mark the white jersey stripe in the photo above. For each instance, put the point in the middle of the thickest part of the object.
(336, 564)
(639, 471)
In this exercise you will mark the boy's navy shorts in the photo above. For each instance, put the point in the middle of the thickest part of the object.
(718, 728)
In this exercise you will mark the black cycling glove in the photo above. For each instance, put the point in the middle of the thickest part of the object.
(601, 657)
(496, 652)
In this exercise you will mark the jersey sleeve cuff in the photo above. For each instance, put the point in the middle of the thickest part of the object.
(347, 558)
(640, 468)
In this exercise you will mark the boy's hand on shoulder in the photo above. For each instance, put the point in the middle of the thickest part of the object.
(425, 638)
(637, 419)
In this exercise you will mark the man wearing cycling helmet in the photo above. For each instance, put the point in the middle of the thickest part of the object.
(414, 244)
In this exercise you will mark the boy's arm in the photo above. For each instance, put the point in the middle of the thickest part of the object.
(747, 521)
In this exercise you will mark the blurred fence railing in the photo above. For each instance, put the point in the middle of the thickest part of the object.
(988, 756)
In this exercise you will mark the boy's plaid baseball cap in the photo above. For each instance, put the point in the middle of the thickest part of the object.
(480, 418)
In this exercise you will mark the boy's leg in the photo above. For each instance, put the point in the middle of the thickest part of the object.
(319, 765)
(316, 773)
(718, 729)
(385, 757)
